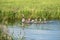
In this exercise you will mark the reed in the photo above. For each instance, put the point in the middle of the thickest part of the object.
(11, 11)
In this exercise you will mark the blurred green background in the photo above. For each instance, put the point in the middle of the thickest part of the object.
(12, 10)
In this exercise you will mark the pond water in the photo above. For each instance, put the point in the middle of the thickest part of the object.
(47, 31)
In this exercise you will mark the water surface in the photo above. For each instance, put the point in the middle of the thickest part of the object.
(47, 31)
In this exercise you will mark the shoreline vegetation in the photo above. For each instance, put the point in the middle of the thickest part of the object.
(13, 16)
(4, 33)
(11, 10)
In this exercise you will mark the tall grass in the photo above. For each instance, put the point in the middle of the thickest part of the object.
(4, 34)
(12, 10)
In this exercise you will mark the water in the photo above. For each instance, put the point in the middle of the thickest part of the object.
(48, 31)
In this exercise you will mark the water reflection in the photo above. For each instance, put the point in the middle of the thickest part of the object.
(51, 25)
(47, 31)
